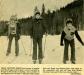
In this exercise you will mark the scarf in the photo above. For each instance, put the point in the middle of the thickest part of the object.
(69, 31)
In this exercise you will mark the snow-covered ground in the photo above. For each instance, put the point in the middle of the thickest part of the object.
(53, 53)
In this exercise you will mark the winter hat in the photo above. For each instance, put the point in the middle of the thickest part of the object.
(37, 13)
(13, 17)
(69, 21)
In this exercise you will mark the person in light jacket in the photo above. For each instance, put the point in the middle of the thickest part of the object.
(14, 30)
(68, 37)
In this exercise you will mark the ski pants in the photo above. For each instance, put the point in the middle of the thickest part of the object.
(37, 53)
(16, 44)
(72, 45)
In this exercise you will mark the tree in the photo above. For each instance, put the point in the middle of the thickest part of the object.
(83, 16)
(36, 9)
(43, 10)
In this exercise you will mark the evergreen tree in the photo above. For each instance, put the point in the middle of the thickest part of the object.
(83, 16)
(43, 10)
(36, 9)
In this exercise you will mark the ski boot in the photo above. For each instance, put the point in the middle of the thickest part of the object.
(34, 61)
(40, 61)
(7, 54)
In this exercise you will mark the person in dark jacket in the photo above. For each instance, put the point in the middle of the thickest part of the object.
(68, 37)
(38, 28)
(14, 30)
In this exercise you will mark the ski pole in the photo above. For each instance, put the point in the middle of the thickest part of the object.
(44, 45)
(31, 47)
(23, 47)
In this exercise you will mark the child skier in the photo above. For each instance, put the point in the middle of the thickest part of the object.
(13, 30)
(68, 37)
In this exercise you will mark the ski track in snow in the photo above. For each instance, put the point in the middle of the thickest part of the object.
(53, 51)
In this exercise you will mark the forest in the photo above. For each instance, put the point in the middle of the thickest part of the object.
(55, 20)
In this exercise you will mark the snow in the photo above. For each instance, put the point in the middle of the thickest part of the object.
(53, 53)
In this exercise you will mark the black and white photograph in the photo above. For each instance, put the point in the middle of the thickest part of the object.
(41, 32)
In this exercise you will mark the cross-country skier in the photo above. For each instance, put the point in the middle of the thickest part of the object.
(38, 28)
(13, 29)
(68, 37)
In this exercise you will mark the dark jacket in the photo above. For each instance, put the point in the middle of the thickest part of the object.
(76, 34)
(38, 28)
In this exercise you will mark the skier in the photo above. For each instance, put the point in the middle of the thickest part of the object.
(13, 28)
(38, 28)
(68, 37)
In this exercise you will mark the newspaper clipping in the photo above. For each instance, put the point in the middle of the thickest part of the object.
(41, 37)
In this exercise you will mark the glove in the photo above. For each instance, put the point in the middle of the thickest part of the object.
(18, 36)
(83, 43)
(62, 44)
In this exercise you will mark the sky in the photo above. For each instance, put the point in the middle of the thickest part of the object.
(25, 8)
